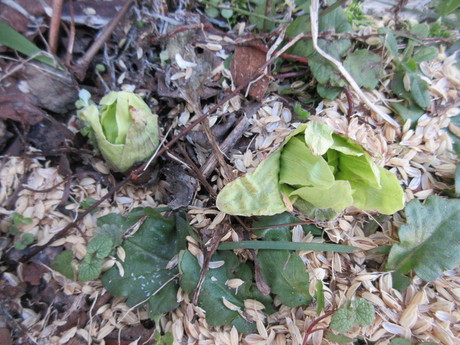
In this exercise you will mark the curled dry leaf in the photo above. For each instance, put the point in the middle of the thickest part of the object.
(245, 62)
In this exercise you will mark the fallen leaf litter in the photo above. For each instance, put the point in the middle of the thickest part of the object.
(420, 157)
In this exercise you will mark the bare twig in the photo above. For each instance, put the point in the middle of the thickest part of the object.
(199, 175)
(54, 25)
(68, 57)
(229, 175)
(83, 62)
(208, 253)
(350, 101)
(228, 143)
(311, 328)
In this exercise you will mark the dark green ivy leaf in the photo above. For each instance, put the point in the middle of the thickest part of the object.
(430, 240)
(148, 253)
(364, 67)
(214, 289)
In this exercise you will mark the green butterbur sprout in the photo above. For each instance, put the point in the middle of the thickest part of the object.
(123, 128)
(318, 172)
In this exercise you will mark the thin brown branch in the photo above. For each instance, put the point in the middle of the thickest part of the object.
(311, 329)
(208, 253)
(197, 171)
(82, 63)
(227, 144)
(229, 175)
(350, 101)
(68, 57)
(54, 25)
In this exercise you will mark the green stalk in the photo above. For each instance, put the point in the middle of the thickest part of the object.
(278, 245)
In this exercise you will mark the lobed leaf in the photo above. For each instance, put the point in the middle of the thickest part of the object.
(429, 241)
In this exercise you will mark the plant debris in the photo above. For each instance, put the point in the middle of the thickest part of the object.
(92, 253)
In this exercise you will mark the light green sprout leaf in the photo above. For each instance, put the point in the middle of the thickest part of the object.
(125, 130)
(364, 312)
(430, 240)
(343, 320)
(89, 269)
(100, 246)
(238, 196)
(309, 171)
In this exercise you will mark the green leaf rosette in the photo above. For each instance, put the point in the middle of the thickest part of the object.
(318, 172)
(123, 128)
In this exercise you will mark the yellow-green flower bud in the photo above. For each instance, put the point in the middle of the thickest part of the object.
(125, 130)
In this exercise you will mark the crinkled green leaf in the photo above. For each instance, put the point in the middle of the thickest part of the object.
(419, 90)
(256, 193)
(387, 200)
(89, 269)
(321, 68)
(63, 264)
(399, 341)
(100, 246)
(343, 320)
(430, 240)
(361, 169)
(346, 146)
(318, 137)
(300, 167)
(327, 197)
(214, 289)
(364, 67)
(364, 312)
(148, 253)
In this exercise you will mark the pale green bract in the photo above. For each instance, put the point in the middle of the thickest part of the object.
(124, 129)
(318, 172)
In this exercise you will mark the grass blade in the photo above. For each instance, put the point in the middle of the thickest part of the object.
(14, 40)
(278, 245)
